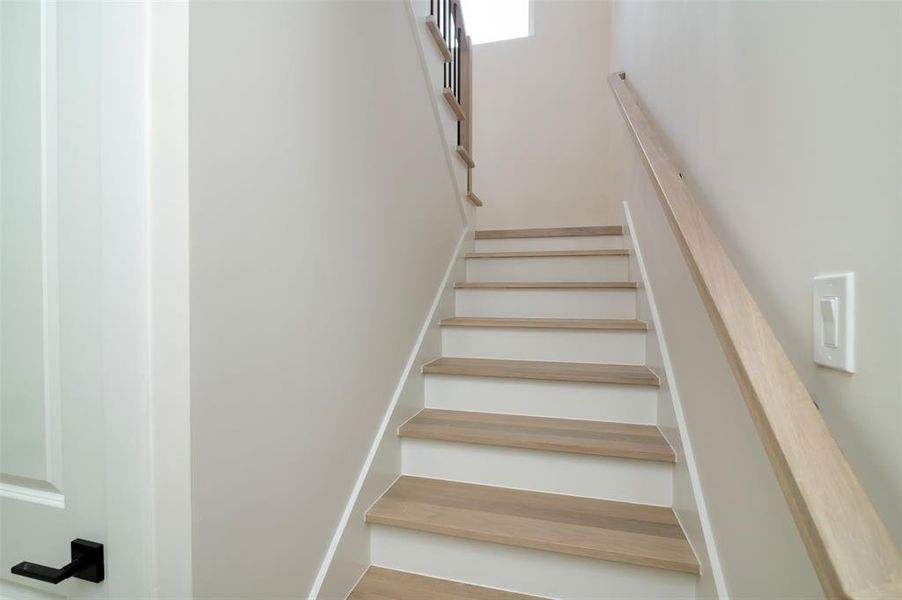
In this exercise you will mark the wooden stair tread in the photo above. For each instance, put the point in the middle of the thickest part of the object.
(453, 104)
(548, 253)
(465, 156)
(534, 323)
(596, 438)
(504, 234)
(436, 33)
(379, 583)
(543, 370)
(545, 285)
(603, 529)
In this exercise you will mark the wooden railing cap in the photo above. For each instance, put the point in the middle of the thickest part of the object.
(848, 544)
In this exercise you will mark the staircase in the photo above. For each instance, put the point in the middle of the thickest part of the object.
(537, 465)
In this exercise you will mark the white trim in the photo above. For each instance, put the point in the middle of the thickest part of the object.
(168, 256)
(1, 211)
(124, 320)
(417, 28)
(386, 419)
(49, 245)
(33, 495)
(713, 558)
(15, 591)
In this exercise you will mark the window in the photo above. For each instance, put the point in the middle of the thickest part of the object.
(496, 20)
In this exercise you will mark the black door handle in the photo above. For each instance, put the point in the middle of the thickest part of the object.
(87, 564)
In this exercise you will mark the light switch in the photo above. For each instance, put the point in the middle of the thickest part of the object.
(834, 321)
(829, 310)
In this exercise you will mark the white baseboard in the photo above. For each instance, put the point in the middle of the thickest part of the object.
(356, 503)
(671, 381)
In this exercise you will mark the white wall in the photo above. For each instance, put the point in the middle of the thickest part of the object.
(167, 31)
(352, 553)
(349, 551)
(544, 122)
(785, 118)
(323, 217)
(752, 528)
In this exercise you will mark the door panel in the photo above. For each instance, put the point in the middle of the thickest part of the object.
(30, 436)
(53, 469)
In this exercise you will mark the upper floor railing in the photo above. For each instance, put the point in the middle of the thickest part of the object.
(446, 24)
(849, 546)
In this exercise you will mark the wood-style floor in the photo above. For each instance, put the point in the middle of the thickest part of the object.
(597, 438)
(534, 323)
(635, 534)
(544, 370)
(545, 285)
(385, 584)
(618, 531)
(546, 232)
(548, 253)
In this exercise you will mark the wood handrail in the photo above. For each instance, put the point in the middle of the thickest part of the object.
(849, 546)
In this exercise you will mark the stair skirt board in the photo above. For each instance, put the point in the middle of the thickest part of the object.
(623, 479)
(599, 303)
(337, 574)
(523, 570)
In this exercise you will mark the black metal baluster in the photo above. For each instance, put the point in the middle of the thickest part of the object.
(453, 40)
(441, 28)
(457, 68)
(457, 60)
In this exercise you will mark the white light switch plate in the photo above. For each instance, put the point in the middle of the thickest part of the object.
(834, 294)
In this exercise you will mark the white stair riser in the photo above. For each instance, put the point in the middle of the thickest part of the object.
(627, 480)
(523, 570)
(589, 401)
(562, 268)
(560, 304)
(595, 242)
(568, 345)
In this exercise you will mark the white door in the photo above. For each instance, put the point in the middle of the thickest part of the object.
(72, 349)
